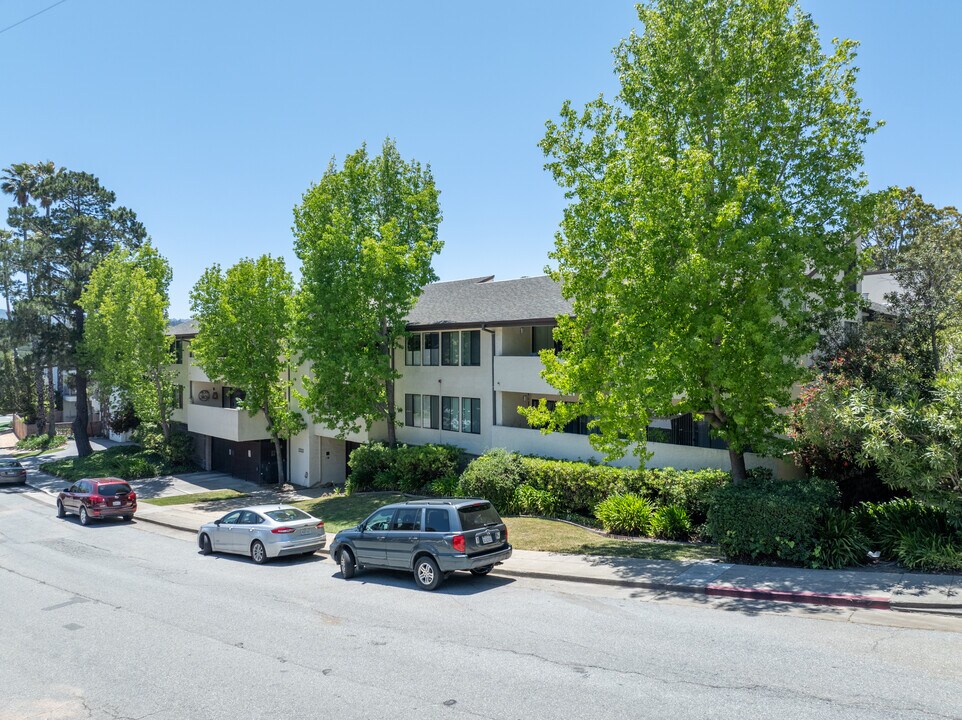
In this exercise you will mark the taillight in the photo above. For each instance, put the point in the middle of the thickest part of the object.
(458, 542)
(320, 525)
(132, 496)
(282, 531)
(96, 500)
(506, 533)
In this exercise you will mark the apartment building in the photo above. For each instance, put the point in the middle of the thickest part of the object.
(471, 361)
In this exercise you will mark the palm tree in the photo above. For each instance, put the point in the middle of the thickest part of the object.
(19, 180)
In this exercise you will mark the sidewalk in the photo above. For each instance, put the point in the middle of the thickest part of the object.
(869, 588)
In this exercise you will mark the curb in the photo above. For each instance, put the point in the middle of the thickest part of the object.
(806, 597)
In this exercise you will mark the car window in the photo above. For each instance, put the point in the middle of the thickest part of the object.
(114, 489)
(287, 515)
(407, 519)
(478, 516)
(75, 488)
(437, 520)
(9, 464)
(380, 520)
(231, 518)
(249, 518)
(85, 487)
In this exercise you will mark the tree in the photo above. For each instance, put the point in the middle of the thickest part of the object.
(709, 224)
(125, 340)
(244, 321)
(365, 235)
(895, 218)
(84, 225)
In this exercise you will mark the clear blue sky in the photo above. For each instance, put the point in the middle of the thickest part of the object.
(210, 119)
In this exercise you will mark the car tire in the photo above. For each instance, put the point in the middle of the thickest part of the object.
(84, 517)
(258, 552)
(484, 570)
(205, 548)
(61, 512)
(345, 559)
(127, 518)
(427, 574)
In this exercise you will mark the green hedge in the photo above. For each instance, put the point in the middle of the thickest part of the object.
(418, 469)
(770, 520)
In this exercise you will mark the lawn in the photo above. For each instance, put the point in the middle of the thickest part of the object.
(192, 498)
(128, 462)
(344, 511)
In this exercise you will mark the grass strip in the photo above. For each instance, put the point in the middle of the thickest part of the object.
(193, 498)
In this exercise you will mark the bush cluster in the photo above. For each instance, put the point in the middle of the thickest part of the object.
(41, 442)
(419, 469)
(919, 536)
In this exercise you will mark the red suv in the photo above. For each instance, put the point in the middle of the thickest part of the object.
(97, 498)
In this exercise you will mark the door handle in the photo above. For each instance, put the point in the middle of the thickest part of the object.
(381, 537)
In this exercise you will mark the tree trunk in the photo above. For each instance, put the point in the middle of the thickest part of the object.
(391, 410)
(83, 417)
(281, 477)
(738, 465)
(162, 412)
(51, 403)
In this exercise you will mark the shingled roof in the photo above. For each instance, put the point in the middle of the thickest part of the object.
(481, 300)
(188, 328)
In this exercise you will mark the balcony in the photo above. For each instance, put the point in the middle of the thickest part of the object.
(197, 374)
(235, 425)
(521, 374)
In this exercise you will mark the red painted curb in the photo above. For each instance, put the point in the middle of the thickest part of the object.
(811, 598)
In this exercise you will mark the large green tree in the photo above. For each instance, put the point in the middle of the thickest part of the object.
(84, 225)
(125, 334)
(366, 235)
(244, 318)
(708, 227)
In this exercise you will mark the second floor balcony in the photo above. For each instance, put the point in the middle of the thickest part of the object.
(226, 423)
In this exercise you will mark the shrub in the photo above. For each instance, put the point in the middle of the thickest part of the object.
(671, 522)
(123, 419)
(41, 442)
(689, 489)
(366, 462)
(770, 520)
(176, 454)
(578, 486)
(841, 542)
(627, 514)
(415, 467)
(494, 476)
(531, 501)
(922, 549)
(886, 523)
(447, 486)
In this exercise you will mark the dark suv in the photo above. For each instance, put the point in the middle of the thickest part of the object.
(433, 538)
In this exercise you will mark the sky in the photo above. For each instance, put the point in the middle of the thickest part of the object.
(211, 119)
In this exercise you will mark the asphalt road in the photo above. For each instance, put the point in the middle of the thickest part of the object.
(129, 621)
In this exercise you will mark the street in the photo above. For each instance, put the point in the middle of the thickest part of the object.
(129, 621)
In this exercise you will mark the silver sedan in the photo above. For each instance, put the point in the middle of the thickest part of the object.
(263, 532)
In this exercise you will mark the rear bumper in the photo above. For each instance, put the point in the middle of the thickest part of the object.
(100, 511)
(293, 548)
(13, 479)
(469, 562)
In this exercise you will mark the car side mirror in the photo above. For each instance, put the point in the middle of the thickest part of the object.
(217, 523)
(361, 527)
(66, 490)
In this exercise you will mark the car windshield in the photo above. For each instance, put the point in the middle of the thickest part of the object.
(478, 516)
(287, 515)
(114, 489)
(10, 464)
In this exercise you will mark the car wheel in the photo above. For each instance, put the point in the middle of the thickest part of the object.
(205, 548)
(482, 570)
(61, 513)
(84, 517)
(127, 518)
(258, 553)
(346, 560)
(426, 573)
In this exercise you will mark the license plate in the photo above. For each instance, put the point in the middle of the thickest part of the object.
(115, 503)
(486, 539)
(305, 531)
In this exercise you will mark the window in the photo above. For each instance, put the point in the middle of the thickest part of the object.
(450, 414)
(412, 410)
(412, 350)
(431, 355)
(542, 338)
(179, 352)
(250, 518)
(230, 396)
(179, 397)
(471, 415)
(475, 517)
(430, 411)
(287, 515)
(407, 519)
(471, 347)
(380, 520)
(437, 521)
(231, 519)
(449, 348)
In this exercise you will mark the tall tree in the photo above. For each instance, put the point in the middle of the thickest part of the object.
(85, 224)
(366, 235)
(244, 321)
(125, 335)
(708, 224)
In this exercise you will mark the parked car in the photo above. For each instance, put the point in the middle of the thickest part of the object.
(11, 471)
(263, 532)
(96, 499)
(431, 538)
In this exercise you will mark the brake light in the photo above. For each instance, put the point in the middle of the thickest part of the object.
(320, 525)
(96, 500)
(132, 496)
(458, 542)
(506, 533)
(282, 531)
